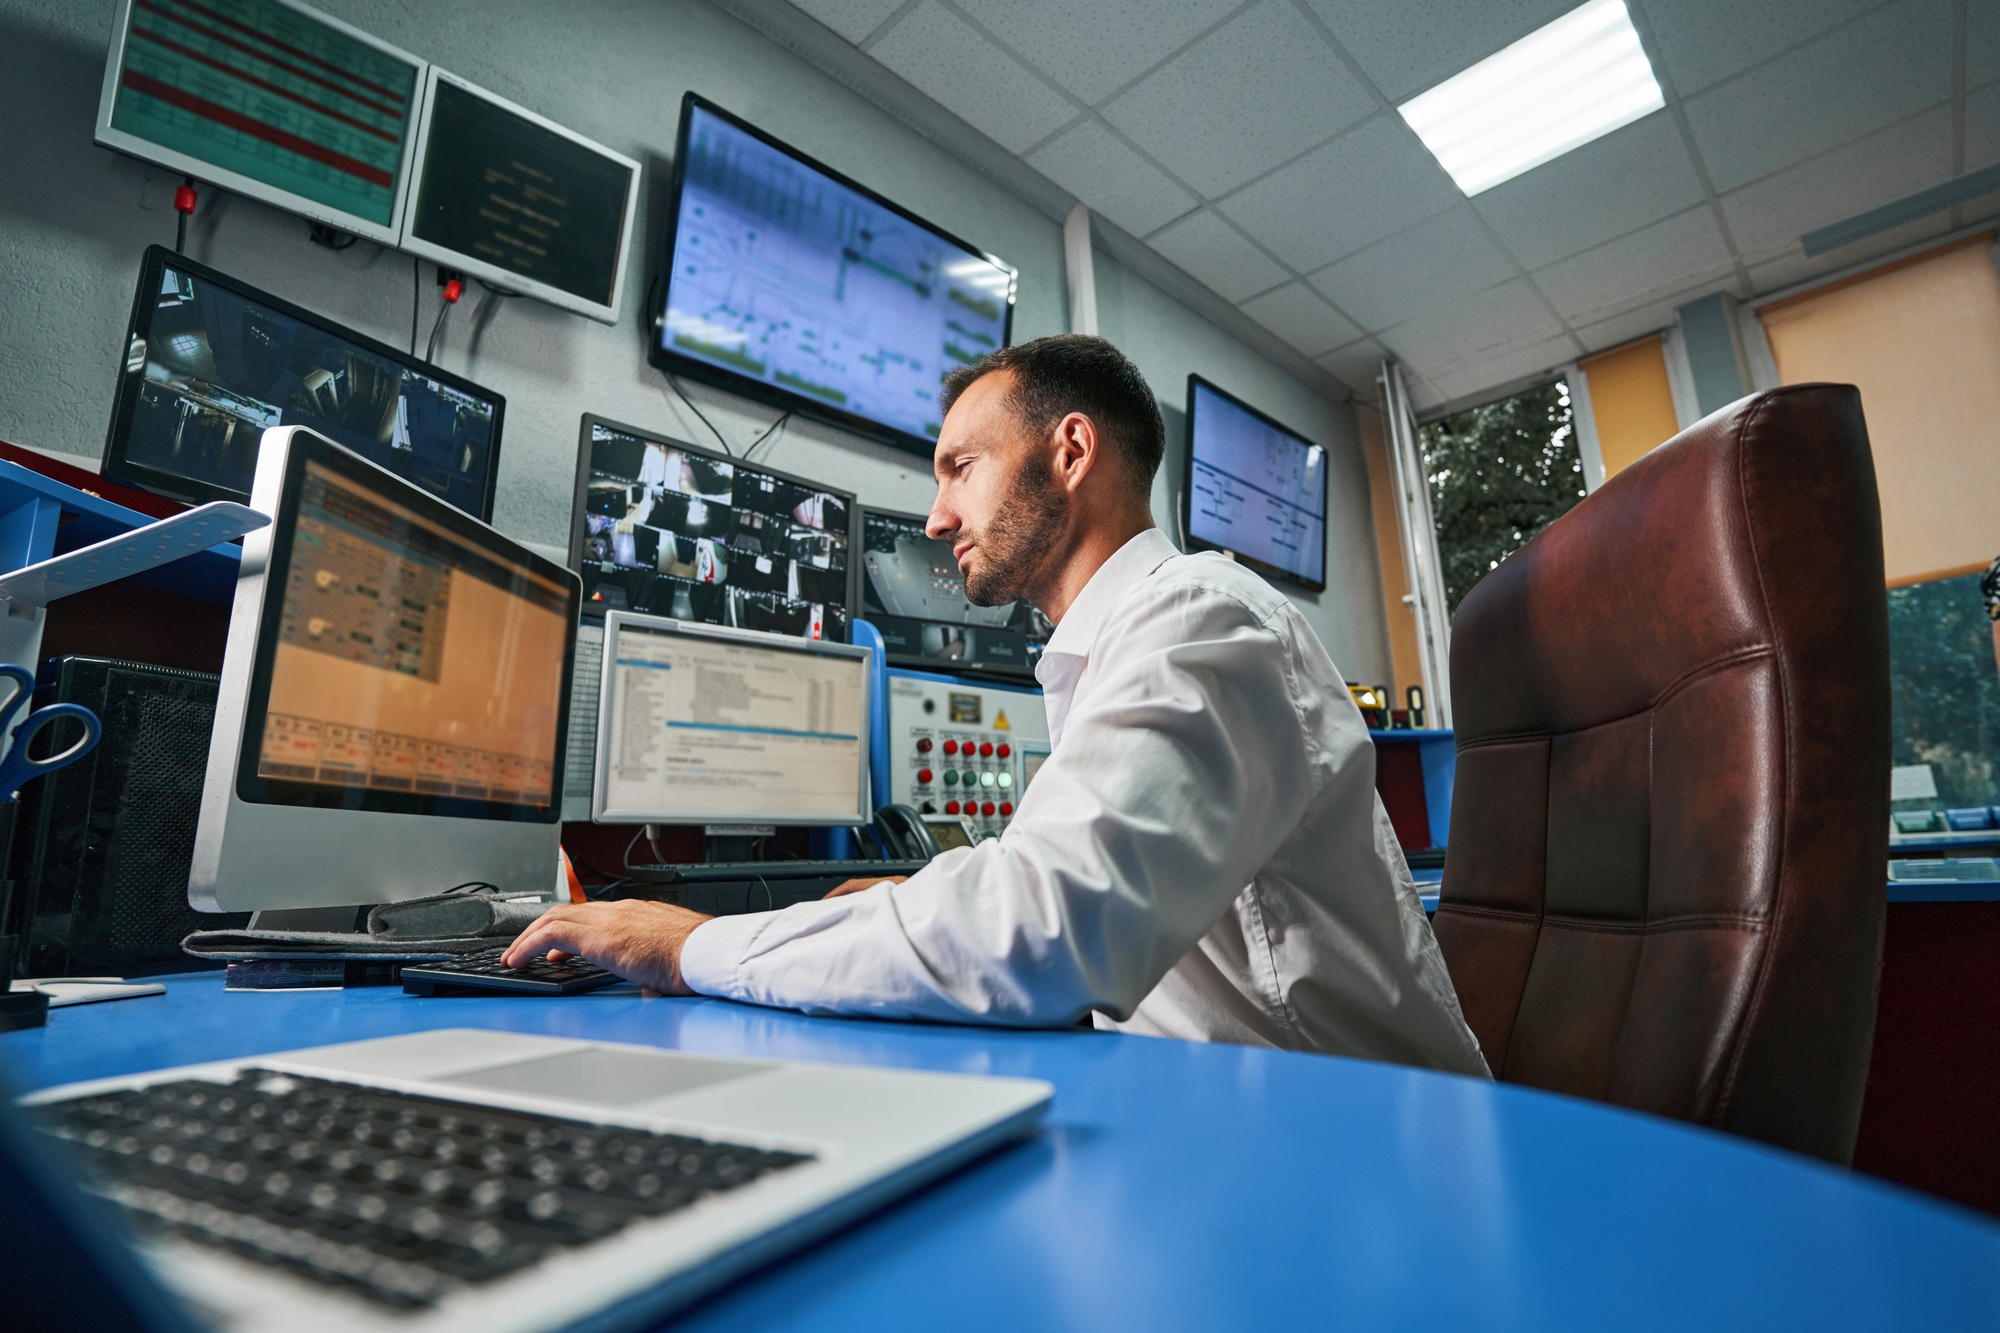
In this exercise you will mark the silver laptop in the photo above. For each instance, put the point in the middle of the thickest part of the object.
(464, 1179)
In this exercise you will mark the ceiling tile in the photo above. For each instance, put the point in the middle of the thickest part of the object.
(1887, 66)
(1700, 45)
(1982, 45)
(1628, 327)
(1672, 254)
(1423, 394)
(1296, 313)
(945, 57)
(1091, 163)
(1355, 364)
(1617, 184)
(1354, 191)
(1439, 259)
(1408, 45)
(1094, 49)
(1469, 381)
(852, 19)
(1767, 218)
(1258, 90)
(1216, 253)
(1496, 320)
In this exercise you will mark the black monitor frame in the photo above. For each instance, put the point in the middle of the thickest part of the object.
(1268, 570)
(677, 363)
(578, 516)
(116, 466)
(916, 661)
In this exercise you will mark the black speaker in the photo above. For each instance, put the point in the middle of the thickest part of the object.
(103, 847)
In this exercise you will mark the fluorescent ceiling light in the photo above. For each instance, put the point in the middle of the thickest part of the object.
(1558, 88)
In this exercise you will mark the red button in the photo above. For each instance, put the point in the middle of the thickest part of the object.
(987, 749)
(923, 775)
(1004, 750)
(951, 807)
(924, 745)
(986, 809)
(951, 747)
(1006, 807)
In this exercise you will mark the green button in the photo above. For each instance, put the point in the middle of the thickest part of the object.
(951, 777)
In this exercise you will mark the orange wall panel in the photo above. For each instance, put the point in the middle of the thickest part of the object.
(1631, 402)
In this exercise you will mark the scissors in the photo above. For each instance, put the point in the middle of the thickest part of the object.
(17, 770)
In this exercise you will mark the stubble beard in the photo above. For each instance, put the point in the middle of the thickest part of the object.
(1025, 533)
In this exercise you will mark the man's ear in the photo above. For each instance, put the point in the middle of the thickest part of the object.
(1077, 450)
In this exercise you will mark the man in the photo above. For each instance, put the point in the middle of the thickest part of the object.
(1202, 855)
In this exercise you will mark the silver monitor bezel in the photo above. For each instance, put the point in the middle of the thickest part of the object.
(253, 855)
(614, 626)
(185, 164)
(506, 279)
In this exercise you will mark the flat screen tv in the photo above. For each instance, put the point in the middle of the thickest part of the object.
(912, 592)
(1255, 488)
(787, 282)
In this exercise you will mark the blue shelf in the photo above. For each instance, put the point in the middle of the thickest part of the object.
(41, 517)
(1409, 734)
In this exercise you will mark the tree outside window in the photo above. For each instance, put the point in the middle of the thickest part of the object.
(1499, 474)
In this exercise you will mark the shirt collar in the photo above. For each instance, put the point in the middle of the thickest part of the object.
(1133, 561)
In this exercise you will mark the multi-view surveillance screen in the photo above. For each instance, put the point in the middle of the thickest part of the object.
(677, 531)
(912, 592)
(211, 364)
(815, 291)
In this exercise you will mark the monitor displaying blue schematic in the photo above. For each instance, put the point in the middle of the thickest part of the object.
(788, 282)
(269, 99)
(663, 527)
(211, 363)
(1255, 489)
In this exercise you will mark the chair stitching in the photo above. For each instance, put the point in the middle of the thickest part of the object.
(1688, 921)
(1692, 675)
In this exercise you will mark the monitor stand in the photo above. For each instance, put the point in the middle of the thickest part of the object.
(728, 844)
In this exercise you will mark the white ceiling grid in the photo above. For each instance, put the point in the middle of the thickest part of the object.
(1255, 145)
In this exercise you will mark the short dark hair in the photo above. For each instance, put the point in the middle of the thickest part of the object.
(1075, 372)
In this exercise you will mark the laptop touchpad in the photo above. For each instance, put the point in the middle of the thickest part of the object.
(608, 1077)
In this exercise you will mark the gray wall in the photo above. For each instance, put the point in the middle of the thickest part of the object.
(74, 218)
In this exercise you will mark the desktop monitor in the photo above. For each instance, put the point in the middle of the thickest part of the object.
(393, 697)
(268, 99)
(1255, 488)
(788, 282)
(702, 724)
(664, 527)
(211, 363)
(912, 592)
(519, 201)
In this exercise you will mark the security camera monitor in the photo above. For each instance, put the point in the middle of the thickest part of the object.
(912, 592)
(211, 363)
(1255, 489)
(672, 530)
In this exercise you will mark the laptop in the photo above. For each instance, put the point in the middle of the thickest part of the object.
(467, 1179)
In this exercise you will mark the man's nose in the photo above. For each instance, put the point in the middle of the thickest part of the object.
(940, 525)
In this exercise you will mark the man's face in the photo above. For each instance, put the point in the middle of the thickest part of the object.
(998, 502)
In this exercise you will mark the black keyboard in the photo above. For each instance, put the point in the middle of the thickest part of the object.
(724, 888)
(483, 970)
(401, 1198)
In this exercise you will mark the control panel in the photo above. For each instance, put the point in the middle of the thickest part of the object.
(963, 748)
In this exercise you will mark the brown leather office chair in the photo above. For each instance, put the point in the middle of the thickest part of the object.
(1665, 882)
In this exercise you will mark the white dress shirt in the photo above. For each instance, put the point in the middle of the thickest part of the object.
(1202, 854)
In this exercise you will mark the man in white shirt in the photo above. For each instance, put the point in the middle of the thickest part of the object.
(1202, 855)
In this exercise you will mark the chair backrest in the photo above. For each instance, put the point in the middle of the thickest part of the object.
(1666, 873)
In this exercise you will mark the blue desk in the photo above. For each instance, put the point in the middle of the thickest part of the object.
(1183, 1186)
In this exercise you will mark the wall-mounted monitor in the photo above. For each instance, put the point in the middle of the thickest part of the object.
(787, 282)
(519, 201)
(912, 592)
(269, 99)
(1255, 488)
(212, 362)
(663, 527)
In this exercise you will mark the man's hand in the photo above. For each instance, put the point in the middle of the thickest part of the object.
(638, 940)
(857, 885)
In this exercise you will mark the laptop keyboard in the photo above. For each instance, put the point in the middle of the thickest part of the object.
(401, 1198)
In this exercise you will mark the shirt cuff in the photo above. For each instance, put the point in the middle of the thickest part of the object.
(713, 949)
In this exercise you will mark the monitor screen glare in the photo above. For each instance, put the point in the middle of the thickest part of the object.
(216, 366)
(411, 667)
(912, 592)
(1256, 489)
(728, 729)
(675, 531)
(785, 276)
